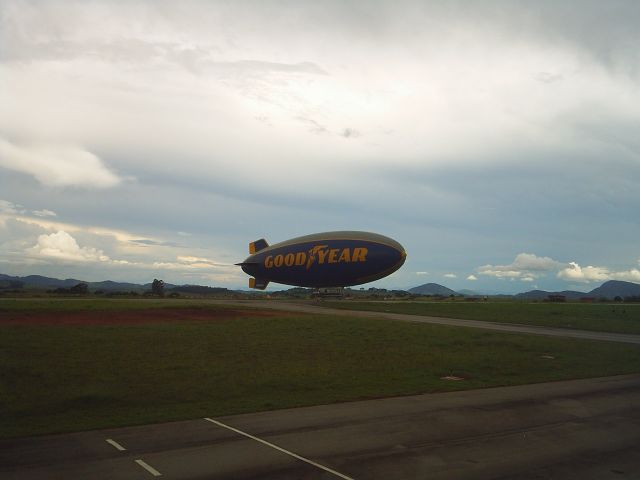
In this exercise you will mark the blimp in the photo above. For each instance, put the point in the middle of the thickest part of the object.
(323, 260)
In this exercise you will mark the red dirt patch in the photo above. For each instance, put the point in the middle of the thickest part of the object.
(131, 317)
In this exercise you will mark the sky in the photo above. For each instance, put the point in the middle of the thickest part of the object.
(497, 141)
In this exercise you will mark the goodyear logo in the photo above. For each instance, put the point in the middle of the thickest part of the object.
(319, 254)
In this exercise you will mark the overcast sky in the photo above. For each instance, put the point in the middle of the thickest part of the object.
(498, 142)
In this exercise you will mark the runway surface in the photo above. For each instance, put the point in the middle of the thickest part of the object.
(581, 429)
(454, 322)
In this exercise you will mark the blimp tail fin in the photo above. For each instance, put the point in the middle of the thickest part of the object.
(258, 245)
(258, 283)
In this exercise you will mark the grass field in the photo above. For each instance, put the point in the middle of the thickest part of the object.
(59, 378)
(619, 318)
(88, 304)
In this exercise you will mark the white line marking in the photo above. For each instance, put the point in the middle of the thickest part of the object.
(116, 444)
(310, 462)
(148, 468)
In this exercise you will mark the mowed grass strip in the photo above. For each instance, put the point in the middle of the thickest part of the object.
(70, 378)
(618, 318)
(90, 304)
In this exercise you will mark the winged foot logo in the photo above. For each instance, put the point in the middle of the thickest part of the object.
(318, 254)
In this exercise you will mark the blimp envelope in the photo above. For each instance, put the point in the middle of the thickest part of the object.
(330, 259)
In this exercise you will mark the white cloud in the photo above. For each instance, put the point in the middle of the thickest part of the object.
(10, 208)
(57, 165)
(525, 266)
(472, 278)
(450, 275)
(186, 262)
(576, 273)
(422, 273)
(531, 262)
(88, 70)
(44, 213)
(62, 246)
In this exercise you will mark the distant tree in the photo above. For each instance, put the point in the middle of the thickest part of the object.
(157, 287)
(81, 288)
(11, 284)
(618, 298)
(203, 290)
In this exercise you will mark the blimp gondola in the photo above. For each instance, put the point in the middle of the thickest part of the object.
(323, 260)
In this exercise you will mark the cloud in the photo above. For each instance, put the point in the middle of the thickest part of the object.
(261, 66)
(44, 213)
(422, 273)
(472, 278)
(547, 77)
(576, 273)
(14, 210)
(350, 133)
(148, 242)
(313, 125)
(10, 208)
(176, 104)
(450, 275)
(187, 262)
(525, 266)
(62, 246)
(57, 165)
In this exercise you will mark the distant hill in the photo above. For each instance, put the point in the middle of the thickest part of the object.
(610, 289)
(432, 289)
(109, 285)
(38, 282)
(469, 293)
(616, 288)
(542, 294)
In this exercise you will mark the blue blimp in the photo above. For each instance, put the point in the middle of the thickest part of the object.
(321, 260)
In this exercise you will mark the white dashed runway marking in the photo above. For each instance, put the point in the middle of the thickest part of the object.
(115, 444)
(280, 449)
(148, 468)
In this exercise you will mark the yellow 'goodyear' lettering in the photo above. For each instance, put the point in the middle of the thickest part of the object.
(319, 254)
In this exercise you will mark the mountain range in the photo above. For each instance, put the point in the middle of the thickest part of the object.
(432, 289)
(609, 289)
(47, 283)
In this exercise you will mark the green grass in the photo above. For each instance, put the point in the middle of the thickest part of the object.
(69, 378)
(84, 304)
(597, 317)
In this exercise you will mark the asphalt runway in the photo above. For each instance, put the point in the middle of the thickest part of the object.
(454, 322)
(580, 429)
